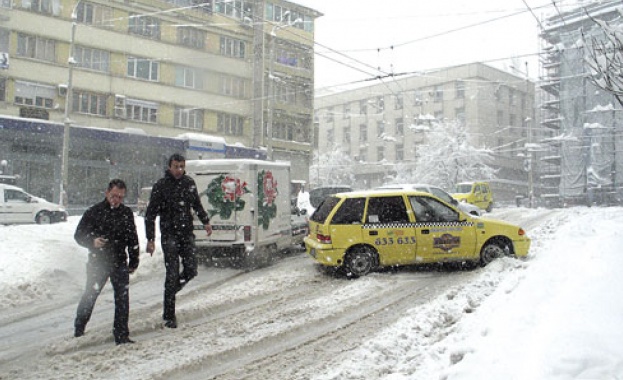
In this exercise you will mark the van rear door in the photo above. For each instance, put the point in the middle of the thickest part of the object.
(223, 197)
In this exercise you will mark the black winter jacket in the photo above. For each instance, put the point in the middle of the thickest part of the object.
(116, 225)
(173, 199)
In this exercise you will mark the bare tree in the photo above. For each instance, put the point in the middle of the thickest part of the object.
(603, 52)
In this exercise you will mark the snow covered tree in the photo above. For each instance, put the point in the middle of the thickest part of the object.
(603, 53)
(446, 158)
(332, 168)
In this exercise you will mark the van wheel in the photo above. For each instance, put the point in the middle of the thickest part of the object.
(489, 252)
(358, 262)
(43, 217)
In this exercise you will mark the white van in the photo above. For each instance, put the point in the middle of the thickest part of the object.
(249, 205)
(19, 207)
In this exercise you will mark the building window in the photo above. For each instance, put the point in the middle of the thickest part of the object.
(93, 59)
(188, 118)
(500, 119)
(34, 94)
(36, 47)
(330, 137)
(284, 92)
(329, 115)
(363, 133)
(236, 8)
(144, 26)
(231, 47)
(346, 135)
(195, 5)
(143, 68)
(141, 111)
(278, 13)
(400, 130)
(363, 154)
(380, 153)
(398, 102)
(94, 14)
(400, 152)
(363, 107)
(89, 103)
(191, 37)
(2, 89)
(439, 116)
(418, 99)
(346, 113)
(460, 89)
(380, 128)
(459, 114)
(229, 124)
(5, 3)
(40, 6)
(188, 77)
(438, 94)
(511, 97)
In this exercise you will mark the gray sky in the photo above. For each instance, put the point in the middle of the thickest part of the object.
(406, 36)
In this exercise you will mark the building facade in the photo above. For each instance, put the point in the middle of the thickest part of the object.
(158, 68)
(497, 107)
(581, 163)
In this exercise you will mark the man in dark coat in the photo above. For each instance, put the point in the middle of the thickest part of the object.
(107, 229)
(173, 197)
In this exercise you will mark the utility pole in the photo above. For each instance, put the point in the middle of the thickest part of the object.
(63, 199)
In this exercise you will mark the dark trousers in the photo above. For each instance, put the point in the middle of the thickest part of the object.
(98, 273)
(176, 248)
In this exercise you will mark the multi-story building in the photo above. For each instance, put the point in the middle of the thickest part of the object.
(580, 163)
(497, 108)
(236, 70)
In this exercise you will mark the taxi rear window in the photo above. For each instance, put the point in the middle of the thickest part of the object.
(324, 209)
(350, 212)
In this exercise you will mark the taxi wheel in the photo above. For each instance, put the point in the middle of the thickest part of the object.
(489, 252)
(359, 262)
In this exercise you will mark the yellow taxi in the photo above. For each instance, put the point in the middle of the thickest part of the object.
(363, 230)
(476, 193)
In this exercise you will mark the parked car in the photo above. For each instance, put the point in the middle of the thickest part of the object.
(360, 231)
(317, 195)
(299, 220)
(476, 193)
(19, 207)
(439, 193)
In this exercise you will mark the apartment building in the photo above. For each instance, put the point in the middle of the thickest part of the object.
(237, 70)
(496, 106)
(581, 163)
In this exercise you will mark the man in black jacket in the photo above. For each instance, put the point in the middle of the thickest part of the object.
(172, 197)
(107, 229)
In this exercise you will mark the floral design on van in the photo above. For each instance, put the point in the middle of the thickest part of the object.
(267, 190)
(225, 196)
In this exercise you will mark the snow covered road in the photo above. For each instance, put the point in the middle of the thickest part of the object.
(287, 321)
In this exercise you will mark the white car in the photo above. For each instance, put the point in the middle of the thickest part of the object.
(17, 207)
(439, 193)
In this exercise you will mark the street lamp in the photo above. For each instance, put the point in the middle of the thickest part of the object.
(271, 77)
(68, 103)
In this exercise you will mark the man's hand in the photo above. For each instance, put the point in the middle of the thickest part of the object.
(151, 247)
(99, 242)
(208, 229)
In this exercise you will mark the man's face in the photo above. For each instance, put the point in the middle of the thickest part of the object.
(177, 168)
(115, 196)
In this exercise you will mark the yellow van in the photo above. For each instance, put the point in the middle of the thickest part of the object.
(363, 230)
(476, 193)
